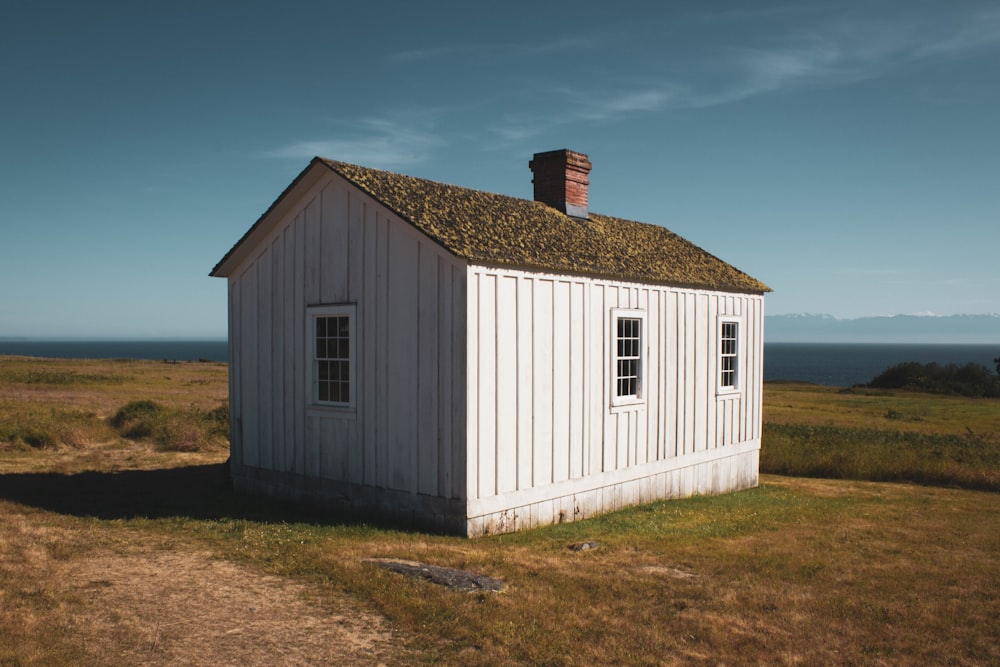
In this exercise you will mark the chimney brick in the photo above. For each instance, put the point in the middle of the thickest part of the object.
(560, 179)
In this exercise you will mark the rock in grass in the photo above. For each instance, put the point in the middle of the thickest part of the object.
(443, 576)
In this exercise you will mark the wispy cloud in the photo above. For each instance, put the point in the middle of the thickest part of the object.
(817, 52)
(834, 54)
(490, 50)
(982, 32)
(845, 52)
(380, 142)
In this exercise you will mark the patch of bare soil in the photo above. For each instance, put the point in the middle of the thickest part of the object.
(186, 608)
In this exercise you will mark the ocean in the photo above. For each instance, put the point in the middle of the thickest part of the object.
(169, 350)
(834, 364)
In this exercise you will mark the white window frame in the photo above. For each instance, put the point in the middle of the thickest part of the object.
(736, 355)
(313, 313)
(639, 397)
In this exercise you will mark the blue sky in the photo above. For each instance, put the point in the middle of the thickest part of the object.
(847, 153)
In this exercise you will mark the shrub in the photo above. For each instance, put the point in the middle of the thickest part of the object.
(973, 380)
(172, 429)
(138, 419)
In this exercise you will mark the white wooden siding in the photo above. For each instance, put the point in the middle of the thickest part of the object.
(540, 419)
(340, 246)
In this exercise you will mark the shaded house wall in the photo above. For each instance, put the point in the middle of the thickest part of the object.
(401, 450)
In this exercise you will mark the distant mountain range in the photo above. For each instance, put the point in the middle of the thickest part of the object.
(950, 329)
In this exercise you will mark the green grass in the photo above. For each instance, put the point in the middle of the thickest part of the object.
(40, 427)
(176, 429)
(878, 435)
(795, 403)
(969, 461)
(797, 571)
(793, 572)
(50, 377)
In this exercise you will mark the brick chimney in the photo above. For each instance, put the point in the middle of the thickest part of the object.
(560, 179)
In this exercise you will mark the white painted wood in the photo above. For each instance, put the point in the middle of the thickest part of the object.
(428, 369)
(333, 260)
(505, 326)
(402, 350)
(380, 304)
(561, 388)
(478, 382)
(298, 347)
(577, 380)
(541, 325)
(446, 379)
(402, 297)
(487, 431)
(597, 396)
(235, 373)
(249, 356)
(265, 444)
(460, 385)
(542, 386)
(368, 335)
(278, 376)
(524, 382)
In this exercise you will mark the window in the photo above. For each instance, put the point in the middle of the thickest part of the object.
(627, 371)
(728, 355)
(333, 356)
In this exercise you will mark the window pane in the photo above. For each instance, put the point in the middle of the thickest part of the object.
(331, 360)
(628, 349)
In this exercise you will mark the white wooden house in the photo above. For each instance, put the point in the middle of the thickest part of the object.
(479, 363)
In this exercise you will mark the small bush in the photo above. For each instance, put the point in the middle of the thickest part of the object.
(172, 429)
(139, 419)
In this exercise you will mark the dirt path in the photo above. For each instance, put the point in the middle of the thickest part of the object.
(184, 608)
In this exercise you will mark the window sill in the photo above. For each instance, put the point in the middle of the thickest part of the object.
(627, 406)
(336, 411)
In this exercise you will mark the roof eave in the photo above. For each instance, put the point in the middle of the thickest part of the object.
(234, 257)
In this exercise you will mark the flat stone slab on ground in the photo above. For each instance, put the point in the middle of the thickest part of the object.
(443, 576)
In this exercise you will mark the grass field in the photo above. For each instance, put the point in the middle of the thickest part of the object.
(881, 436)
(123, 551)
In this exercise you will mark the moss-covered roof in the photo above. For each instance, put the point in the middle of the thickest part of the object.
(497, 229)
(500, 230)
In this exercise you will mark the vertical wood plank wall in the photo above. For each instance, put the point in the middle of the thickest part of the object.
(540, 386)
(408, 430)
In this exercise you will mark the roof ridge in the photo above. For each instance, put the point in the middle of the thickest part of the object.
(499, 229)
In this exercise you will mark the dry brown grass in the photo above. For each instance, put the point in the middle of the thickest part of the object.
(54, 413)
(119, 553)
(69, 599)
